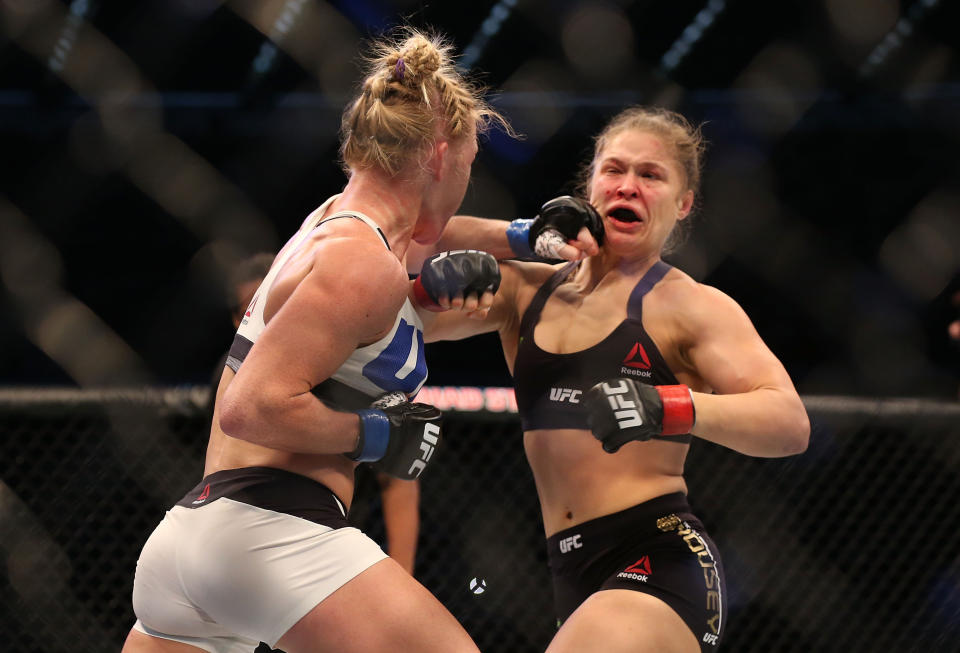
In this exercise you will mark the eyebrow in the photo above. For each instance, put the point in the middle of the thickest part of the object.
(615, 159)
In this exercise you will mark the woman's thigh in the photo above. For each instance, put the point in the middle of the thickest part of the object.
(382, 609)
(617, 621)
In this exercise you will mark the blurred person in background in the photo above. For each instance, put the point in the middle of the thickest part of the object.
(261, 549)
(399, 499)
(618, 360)
(243, 280)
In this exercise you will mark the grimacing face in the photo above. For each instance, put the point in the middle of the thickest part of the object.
(639, 189)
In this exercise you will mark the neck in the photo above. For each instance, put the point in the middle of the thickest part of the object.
(394, 204)
(607, 262)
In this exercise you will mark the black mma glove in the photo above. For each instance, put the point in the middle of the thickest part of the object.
(397, 436)
(622, 410)
(465, 271)
(559, 220)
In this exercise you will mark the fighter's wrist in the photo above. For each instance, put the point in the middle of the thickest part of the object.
(372, 436)
(422, 297)
(518, 237)
(679, 412)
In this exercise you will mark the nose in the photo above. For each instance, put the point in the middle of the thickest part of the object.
(628, 187)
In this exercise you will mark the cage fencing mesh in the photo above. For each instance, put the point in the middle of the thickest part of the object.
(852, 546)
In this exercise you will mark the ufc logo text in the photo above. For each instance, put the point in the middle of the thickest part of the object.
(624, 410)
(569, 543)
(565, 394)
(431, 435)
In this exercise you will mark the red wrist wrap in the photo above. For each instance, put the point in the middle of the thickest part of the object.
(423, 298)
(678, 411)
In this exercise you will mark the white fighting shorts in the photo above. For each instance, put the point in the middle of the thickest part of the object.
(243, 557)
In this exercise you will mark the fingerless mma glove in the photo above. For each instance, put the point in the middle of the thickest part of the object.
(397, 436)
(559, 220)
(622, 410)
(466, 271)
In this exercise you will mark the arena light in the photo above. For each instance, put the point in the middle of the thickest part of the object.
(266, 58)
(691, 34)
(896, 37)
(469, 399)
(74, 20)
(313, 34)
(488, 29)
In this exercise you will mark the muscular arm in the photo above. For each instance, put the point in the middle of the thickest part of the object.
(458, 323)
(464, 232)
(490, 235)
(334, 308)
(756, 410)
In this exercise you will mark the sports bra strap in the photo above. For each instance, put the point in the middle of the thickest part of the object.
(357, 216)
(649, 280)
(532, 315)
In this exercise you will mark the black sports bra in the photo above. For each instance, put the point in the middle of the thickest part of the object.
(549, 386)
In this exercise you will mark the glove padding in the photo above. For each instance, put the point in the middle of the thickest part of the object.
(397, 436)
(559, 221)
(622, 410)
(466, 271)
(567, 215)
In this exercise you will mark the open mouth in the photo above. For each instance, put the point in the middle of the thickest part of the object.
(624, 215)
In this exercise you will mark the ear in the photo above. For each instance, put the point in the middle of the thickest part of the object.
(684, 204)
(437, 159)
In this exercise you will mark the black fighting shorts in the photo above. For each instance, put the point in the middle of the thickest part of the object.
(658, 547)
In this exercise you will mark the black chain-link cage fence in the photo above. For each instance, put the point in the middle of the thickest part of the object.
(852, 546)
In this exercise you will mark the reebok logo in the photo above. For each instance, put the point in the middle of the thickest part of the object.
(203, 495)
(637, 358)
(253, 302)
(641, 566)
(565, 394)
(636, 362)
(639, 570)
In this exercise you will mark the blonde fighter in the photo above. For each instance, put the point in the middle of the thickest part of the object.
(261, 549)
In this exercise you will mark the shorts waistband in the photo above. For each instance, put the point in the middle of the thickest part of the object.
(657, 515)
(272, 489)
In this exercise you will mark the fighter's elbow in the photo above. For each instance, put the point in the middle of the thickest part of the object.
(242, 415)
(797, 435)
(235, 418)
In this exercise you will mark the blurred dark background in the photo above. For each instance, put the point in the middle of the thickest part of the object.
(148, 145)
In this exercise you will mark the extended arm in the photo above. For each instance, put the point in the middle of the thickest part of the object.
(566, 228)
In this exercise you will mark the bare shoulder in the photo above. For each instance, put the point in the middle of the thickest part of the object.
(523, 278)
(351, 262)
(692, 304)
(529, 273)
